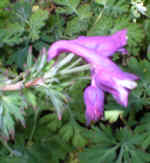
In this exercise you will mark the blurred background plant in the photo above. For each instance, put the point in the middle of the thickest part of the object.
(37, 93)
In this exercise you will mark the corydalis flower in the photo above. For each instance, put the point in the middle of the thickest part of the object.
(110, 78)
(94, 101)
(102, 45)
(105, 45)
(106, 75)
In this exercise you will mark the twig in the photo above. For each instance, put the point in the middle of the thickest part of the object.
(20, 85)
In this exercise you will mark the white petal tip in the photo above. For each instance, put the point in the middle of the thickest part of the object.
(130, 84)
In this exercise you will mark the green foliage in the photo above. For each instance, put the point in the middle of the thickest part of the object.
(49, 100)
(31, 98)
(19, 57)
(143, 129)
(4, 8)
(36, 22)
(107, 144)
(114, 7)
(69, 6)
(27, 24)
(52, 150)
(12, 34)
(4, 3)
(22, 10)
(12, 107)
(108, 25)
(71, 131)
(80, 23)
(22, 27)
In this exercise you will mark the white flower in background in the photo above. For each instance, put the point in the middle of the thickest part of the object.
(139, 6)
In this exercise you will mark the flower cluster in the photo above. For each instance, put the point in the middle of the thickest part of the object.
(106, 76)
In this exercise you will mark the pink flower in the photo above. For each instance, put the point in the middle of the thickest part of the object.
(94, 101)
(102, 45)
(105, 45)
(106, 75)
(110, 78)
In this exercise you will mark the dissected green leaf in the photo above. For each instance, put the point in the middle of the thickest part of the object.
(36, 22)
(12, 109)
(22, 10)
(120, 148)
(31, 98)
(78, 140)
(79, 23)
(4, 3)
(107, 25)
(19, 57)
(116, 8)
(70, 6)
(67, 132)
(76, 25)
(11, 35)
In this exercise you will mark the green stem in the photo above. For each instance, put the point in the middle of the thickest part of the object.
(34, 125)
(99, 16)
(125, 123)
(12, 152)
(97, 19)
(6, 145)
(71, 115)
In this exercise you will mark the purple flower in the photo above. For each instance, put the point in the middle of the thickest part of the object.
(110, 78)
(102, 45)
(106, 75)
(105, 45)
(94, 101)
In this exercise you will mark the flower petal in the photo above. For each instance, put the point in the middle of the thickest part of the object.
(104, 45)
(122, 97)
(94, 101)
(130, 84)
